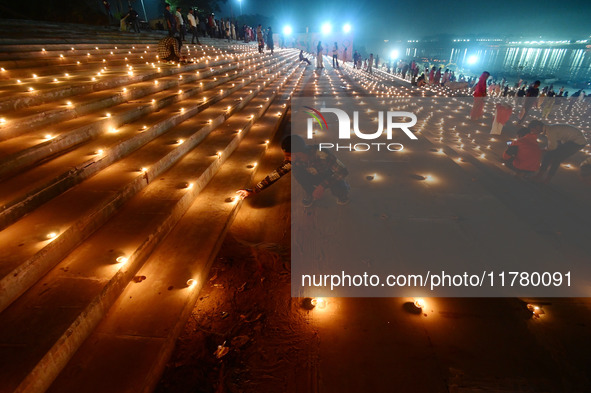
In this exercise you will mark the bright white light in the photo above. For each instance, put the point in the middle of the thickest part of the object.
(346, 28)
(287, 30)
(394, 54)
(326, 28)
(420, 303)
(473, 59)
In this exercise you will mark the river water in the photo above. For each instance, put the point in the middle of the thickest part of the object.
(566, 64)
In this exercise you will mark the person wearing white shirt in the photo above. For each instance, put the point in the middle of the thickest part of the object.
(564, 141)
(180, 23)
(193, 25)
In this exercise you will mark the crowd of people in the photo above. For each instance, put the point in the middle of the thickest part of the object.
(180, 25)
(524, 155)
(540, 148)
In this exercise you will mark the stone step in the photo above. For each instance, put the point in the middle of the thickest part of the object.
(71, 300)
(24, 119)
(16, 31)
(53, 83)
(142, 326)
(18, 197)
(24, 263)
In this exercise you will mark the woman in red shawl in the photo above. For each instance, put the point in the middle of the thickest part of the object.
(432, 76)
(479, 94)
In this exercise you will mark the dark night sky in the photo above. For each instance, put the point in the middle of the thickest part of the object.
(379, 20)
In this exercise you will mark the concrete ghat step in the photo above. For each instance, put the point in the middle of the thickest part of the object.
(88, 281)
(144, 323)
(48, 69)
(24, 264)
(74, 85)
(48, 114)
(22, 121)
(18, 200)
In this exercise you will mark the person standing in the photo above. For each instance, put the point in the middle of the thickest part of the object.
(319, 49)
(335, 55)
(432, 76)
(133, 18)
(564, 141)
(211, 26)
(437, 79)
(548, 104)
(479, 94)
(180, 23)
(108, 10)
(370, 64)
(193, 26)
(445, 77)
(270, 43)
(530, 100)
(171, 23)
(260, 38)
(405, 67)
(228, 30)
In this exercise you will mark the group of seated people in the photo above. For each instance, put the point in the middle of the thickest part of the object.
(525, 157)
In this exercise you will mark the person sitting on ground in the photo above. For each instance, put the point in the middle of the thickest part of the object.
(169, 49)
(524, 154)
(303, 58)
(313, 169)
(564, 141)
(421, 81)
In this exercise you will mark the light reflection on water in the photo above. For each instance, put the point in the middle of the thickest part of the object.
(564, 64)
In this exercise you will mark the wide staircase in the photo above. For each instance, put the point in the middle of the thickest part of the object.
(118, 175)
